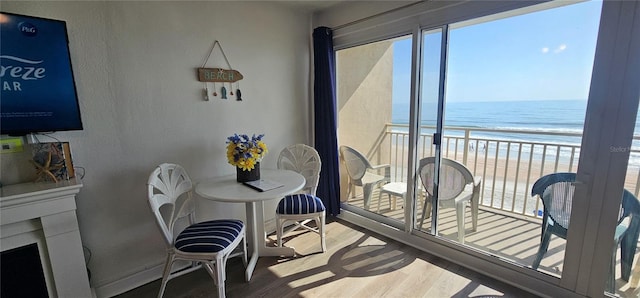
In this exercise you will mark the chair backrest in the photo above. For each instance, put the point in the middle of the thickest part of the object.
(454, 177)
(305, 160)
(556, 191)
(167, 183)
(630, 206)
(356, 163)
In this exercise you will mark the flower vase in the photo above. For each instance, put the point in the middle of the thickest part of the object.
(250, 175)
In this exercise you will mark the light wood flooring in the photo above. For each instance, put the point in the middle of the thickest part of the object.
(357, 263)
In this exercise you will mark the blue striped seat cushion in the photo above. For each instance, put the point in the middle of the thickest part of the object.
(209, 236)
(300, 204)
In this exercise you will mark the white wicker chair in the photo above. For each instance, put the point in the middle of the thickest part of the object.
(208, 243)
(304, 206)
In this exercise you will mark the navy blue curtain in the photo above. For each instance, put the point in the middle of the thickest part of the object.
(326, 141)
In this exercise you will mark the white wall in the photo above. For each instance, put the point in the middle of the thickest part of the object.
(135, 67)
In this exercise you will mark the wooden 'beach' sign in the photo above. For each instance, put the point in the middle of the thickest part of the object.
(218, 75)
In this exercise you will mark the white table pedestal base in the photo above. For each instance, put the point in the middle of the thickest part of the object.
(258, 238)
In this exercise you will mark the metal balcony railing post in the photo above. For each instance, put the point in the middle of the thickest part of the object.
(465, 154)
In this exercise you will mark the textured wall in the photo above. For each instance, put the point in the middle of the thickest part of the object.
(141, 105)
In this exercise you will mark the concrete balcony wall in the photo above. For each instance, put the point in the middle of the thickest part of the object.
(365, 87)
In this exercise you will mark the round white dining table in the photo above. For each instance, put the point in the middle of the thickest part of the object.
(227, 189)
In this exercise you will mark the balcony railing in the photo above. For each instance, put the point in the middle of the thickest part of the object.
(509, 161)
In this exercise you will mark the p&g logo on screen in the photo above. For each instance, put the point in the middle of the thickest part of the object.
(27, 29)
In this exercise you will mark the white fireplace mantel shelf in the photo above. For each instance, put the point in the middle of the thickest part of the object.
(48, 211)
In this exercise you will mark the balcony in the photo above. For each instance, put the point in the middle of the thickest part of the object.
(509, 221)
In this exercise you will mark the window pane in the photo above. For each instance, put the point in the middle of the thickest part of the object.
(371, 79)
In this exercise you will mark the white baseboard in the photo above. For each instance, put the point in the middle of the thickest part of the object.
(129, 282)
(146, 276)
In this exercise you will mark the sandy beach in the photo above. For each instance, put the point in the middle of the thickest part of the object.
(507, 182)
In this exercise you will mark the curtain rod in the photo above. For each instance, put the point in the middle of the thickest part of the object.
(376, 15)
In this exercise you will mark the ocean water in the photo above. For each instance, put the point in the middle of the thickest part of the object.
(541, 115)
(560, 116)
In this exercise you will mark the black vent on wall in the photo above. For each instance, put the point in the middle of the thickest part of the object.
(21, 274)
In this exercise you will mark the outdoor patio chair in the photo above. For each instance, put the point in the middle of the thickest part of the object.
(302, 207)
(362, 173)
(208, 244)
(456, 189)
(556, 192)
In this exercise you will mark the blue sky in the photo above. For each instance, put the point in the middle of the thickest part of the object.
(546, 55)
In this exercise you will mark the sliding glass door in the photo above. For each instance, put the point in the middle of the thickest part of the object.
(514, 108)
(494, 106)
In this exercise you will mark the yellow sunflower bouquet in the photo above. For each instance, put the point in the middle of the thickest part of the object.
(244, 152)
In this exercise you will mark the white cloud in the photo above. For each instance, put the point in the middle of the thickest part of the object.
(545, 50)
(560, 48)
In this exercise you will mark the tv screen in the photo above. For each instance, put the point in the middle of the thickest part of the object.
(38, 87)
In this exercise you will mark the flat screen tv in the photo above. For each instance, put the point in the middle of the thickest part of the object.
(38, 88)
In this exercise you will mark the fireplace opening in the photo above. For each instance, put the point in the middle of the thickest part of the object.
(21, 273)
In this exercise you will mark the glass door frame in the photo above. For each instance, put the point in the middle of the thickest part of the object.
(380, 218)
(414, 130)
(610, 121)
(415, 121)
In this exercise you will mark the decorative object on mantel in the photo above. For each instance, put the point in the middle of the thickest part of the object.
(245, 154)
(52, 161)
(219, 75)
(44, 168)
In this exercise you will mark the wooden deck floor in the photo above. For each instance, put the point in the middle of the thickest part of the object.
(510, 236)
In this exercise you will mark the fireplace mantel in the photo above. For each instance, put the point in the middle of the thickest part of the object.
(45, 213)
